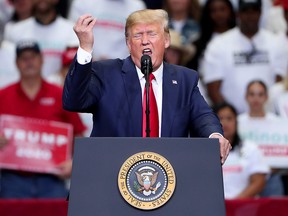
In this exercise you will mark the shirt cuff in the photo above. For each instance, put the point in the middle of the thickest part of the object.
(83, 57)
(215, 134)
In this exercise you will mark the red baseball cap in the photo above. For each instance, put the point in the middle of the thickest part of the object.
(68, 55)
(284, 4)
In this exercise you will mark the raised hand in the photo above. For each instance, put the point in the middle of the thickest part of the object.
(84, 31)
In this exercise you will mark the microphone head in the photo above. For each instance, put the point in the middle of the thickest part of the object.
(146, 64)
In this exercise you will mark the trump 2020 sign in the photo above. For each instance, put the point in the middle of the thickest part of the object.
(34, 145)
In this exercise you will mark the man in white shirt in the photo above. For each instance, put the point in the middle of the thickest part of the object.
(241, 55)
(52, 32)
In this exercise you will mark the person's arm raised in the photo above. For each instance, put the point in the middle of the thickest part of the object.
(84, 31)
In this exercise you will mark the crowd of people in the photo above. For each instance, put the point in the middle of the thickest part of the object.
(239, 50)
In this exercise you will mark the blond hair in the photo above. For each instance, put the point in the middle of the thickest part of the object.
(147, 16)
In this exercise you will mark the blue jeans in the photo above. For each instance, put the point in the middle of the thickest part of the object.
(274, 186)
(31, 185)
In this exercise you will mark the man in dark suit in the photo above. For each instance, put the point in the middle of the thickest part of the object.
(113, 89)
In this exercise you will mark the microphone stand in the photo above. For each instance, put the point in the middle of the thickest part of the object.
(147, 99)
(146, 68)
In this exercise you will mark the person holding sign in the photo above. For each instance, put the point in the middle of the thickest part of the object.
(256, 97)
(245, 170)
(34, 98)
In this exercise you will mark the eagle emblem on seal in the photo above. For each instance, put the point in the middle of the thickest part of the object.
(146, 179)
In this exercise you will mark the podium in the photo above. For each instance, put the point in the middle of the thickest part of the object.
(106, 177)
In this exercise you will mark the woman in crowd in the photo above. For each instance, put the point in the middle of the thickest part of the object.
(217, 17)
(183, 18)
(23, 9)
(278, 98)
(256, 97)
(244, 171)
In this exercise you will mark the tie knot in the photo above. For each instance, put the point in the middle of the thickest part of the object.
(151, 77)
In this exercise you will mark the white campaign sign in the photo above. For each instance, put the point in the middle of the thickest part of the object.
(271, 136)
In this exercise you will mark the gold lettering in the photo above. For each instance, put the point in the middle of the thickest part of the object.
(156, 158)
(130, 162)
(162, 199)
(122, 175)
(169, 171)
(134, 201)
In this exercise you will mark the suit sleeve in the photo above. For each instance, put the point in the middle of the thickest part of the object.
(82, 87)
(203, 121)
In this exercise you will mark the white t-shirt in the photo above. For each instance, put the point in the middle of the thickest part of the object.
(6, 11)
(201, 85)
(236, 60)
(53, 39)
(282, 105)
(245, 117)
(278, 94)
(8, 70)
(111, 15)
(278, 102)
(241, 163)
(275, 20)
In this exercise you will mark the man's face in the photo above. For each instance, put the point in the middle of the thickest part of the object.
(220, 13)
(43, 6)
(249, 20)
(148, 39)
(179, 5)
(29, 64)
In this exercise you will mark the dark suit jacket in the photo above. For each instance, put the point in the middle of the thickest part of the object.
(111, 90)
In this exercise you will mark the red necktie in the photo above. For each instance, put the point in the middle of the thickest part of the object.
(154, 121)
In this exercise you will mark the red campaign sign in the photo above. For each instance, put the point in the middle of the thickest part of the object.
(34, 145)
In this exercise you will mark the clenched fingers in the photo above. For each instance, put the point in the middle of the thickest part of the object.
(84, 31)
(84, 23)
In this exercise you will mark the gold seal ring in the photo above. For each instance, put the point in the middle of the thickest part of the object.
(146, 180)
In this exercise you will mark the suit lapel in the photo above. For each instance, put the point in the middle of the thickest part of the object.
(134, 97)
(170, 92)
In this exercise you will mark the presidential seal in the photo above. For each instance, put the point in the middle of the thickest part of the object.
(146, 180)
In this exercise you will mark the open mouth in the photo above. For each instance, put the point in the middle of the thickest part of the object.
(147, 51)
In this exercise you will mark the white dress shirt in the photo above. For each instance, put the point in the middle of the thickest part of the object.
(157, 88)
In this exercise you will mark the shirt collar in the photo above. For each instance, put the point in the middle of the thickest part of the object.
(158, 74)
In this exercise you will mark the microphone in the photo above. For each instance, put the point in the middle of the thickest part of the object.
(146, 69)
(146, 65)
